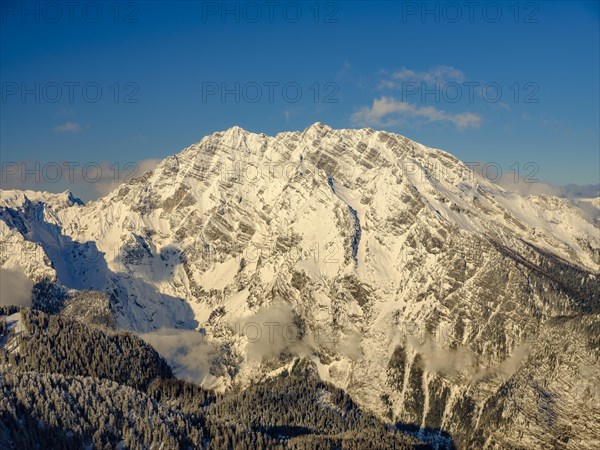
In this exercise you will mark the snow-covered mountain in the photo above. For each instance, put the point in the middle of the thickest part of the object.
(430, 294)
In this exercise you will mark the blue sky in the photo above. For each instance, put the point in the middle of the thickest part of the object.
(147, 80)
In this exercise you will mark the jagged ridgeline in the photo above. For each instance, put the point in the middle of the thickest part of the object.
(66, 384)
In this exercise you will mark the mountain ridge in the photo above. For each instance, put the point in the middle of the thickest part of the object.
(409, 280)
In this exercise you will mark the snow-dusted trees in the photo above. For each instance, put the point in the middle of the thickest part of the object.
(68, 385)
(53, 344)
(70, 412)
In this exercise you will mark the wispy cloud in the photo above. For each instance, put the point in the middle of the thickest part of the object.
(188, 352)
(107, 183)
(65, 112)
(580, 195)
(529, 185)
(388, 111)
(15, 288)
(346, 67)
(87, 180)
(439, 74)
(556, 126)
(68, 127)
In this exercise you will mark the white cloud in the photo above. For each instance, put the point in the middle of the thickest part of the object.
(387, 111)
(270, 331)
(188, 352)
(583, 196)
(68, 127)
(525, 188)
(580, 196)
(465, 120)
(15, 288)
(107, 183)
(510, 365)
(350, 345)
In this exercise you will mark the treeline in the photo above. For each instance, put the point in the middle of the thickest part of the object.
(181, 395)
(69, 385)
(53, 344)
(293, 401)
(309, 414)
(51, 411)
(371, 439)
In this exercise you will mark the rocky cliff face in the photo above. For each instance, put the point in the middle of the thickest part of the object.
(433, 296)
